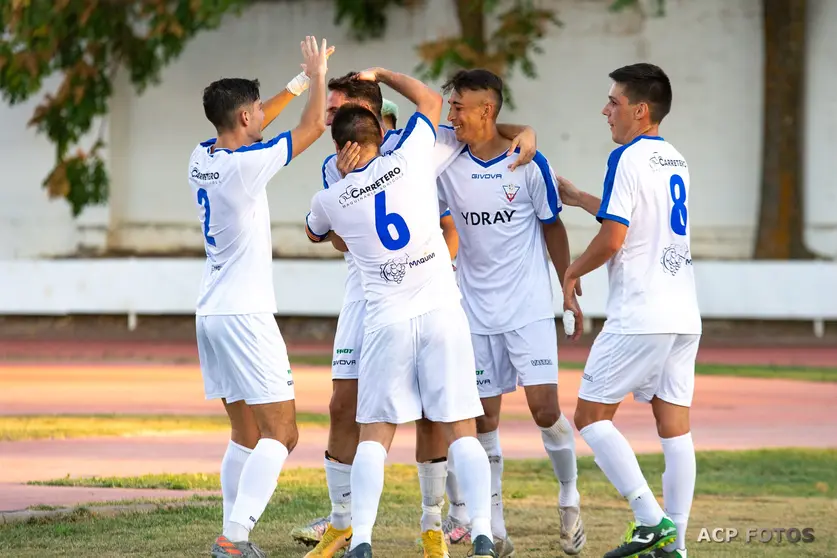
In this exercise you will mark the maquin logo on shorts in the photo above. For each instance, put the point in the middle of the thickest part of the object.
(353, 194)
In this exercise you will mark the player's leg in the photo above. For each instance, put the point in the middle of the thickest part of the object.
(618, 365)
(533, 351)
(332, 533)
(387, 395)
(252, 349)
(449, 396)
(431, 461)
(244, 433)
(671, 405)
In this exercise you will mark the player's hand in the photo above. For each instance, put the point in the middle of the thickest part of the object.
(314, 57)
(329, 52)
(370, 74)
(571, 304)
(569, 194)
(527, 141)
(348, 158)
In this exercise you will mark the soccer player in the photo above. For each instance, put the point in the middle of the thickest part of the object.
(389, 115)
(416, 346)
(509, 228)
(650, 339)
(243, 357)
(332, 533)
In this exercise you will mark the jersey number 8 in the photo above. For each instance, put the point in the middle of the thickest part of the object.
(384, 220)
(679, 214)
(203, 199)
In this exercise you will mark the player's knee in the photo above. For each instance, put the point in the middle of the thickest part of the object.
(546, 417)
(582, 418)
(289, 436)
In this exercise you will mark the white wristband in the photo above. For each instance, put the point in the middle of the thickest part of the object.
(569, 322)
(299, 84)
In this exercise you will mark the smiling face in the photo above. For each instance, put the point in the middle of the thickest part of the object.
(470, 113)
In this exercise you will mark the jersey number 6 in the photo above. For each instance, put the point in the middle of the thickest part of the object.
(679, 214)
(383, 220)
(203, 199)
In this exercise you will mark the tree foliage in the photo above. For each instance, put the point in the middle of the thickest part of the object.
(86, 42)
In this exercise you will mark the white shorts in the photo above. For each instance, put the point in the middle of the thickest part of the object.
(244, 357)
(661, 365)
(422, 367)
(348, 340)
(527, 356)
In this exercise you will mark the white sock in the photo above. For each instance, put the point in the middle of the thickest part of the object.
(617, 461)
(231, 466)
(474, 474)
(339, 480)
(367, 485)
(432, 477)
(679, 484)
(457, 509)
(559, 443)
(490, 442)
(256, 487)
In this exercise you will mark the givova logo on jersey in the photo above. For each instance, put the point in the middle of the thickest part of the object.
(353, 194)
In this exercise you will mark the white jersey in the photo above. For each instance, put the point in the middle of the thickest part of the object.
(502, 263)
(446, 150)
(652, 282)
(387, 213)
(230, 195)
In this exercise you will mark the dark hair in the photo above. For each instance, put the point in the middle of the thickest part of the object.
(645, 83)
(359, 90)
(223, 98)
(476, 80)
(355, 123)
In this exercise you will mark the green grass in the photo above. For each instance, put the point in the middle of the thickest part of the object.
(36, 427)
(748, 371)
(753, 489)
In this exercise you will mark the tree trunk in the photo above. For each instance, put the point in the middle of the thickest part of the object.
(781, 226)
(471, 15)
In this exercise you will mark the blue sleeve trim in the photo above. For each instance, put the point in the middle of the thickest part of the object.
(268, 144)
(604, 215)
(411, 125)
(319, 236)
(325, 164)
(551, 188)
(610, 176)
(445, 214)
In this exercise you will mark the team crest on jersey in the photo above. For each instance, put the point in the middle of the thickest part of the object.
(393, 271)
(510, 191)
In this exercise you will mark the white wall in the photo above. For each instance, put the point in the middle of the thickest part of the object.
(711, 49)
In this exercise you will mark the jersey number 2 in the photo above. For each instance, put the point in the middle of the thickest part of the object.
(383, 220)
(679, 214)
(203, 199)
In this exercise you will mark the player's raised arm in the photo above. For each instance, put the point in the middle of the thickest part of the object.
(428, 102)
(274, 106)
(312, 123)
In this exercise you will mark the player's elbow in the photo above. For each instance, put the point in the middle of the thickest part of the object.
(316, 238)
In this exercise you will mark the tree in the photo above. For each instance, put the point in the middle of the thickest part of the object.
(781, 225)
(89, 40)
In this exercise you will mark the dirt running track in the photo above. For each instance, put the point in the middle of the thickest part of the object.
(729, 413)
